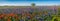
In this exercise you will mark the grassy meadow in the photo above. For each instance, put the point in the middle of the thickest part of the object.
(28, 13)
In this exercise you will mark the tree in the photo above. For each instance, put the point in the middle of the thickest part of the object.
(33, 4)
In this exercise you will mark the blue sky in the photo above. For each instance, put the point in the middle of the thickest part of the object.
(28, 2)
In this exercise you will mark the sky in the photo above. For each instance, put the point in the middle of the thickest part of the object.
(28, 2)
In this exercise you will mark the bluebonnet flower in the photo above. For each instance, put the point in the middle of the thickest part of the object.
(49, 13)
(21, 20)
(28, 17)
(40, 19)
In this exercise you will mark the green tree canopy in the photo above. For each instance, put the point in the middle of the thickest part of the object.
(33, 4)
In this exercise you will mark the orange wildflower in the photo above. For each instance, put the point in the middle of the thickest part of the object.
(0, 17)
(9, 19)
(12, 14)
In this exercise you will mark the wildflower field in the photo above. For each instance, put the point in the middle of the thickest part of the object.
(30, 14)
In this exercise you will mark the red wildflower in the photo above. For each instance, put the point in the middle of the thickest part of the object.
(9, 19)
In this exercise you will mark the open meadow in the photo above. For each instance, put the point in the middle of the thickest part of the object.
(28, 13)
